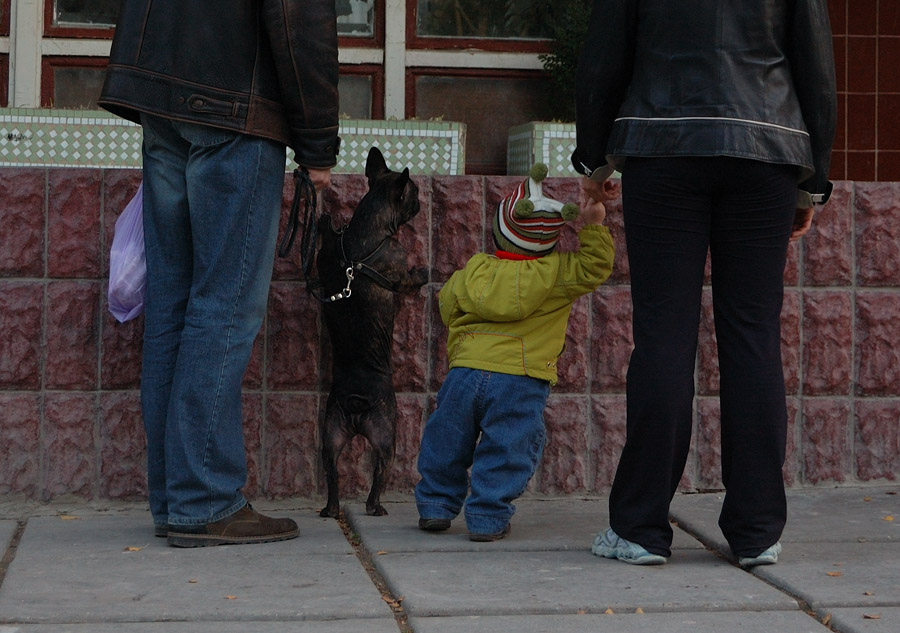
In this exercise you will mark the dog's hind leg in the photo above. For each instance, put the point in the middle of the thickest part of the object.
(334, 437)
(380, 430)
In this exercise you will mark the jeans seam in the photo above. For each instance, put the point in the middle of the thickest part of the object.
(230, 330)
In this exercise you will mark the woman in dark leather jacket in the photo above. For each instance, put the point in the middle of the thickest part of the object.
(720, 116)
(220, 87)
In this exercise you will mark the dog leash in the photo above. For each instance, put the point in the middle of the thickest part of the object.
(306, 191)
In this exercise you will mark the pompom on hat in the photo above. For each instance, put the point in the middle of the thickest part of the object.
(527, 223)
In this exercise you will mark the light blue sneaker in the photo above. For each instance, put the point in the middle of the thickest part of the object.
(610, 545)
(768, 557)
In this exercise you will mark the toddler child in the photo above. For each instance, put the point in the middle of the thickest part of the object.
(507, 315)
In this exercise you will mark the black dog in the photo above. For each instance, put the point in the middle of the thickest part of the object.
(360, 268)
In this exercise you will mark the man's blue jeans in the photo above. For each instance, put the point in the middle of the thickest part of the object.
(507, 412)
(212, 199)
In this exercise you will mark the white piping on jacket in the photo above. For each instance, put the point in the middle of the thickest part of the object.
(711, 118)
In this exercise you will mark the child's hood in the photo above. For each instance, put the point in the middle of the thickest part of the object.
(505, 290)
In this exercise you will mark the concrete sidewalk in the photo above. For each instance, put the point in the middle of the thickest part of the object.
(97, 568)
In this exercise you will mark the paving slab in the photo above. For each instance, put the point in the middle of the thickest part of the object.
(111, 569)
(317, 626)
(519, 583)
(864, 620)
(749, 622)
(826, 515)
(853, 575)
(538, 525)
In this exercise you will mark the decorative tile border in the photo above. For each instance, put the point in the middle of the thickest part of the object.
(548, 143)
(429, 148)
(86, 138)
(67, 138)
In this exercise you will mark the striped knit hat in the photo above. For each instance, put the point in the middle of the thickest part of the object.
(526, 222)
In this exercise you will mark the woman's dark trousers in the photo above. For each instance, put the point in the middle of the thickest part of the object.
(741, 212)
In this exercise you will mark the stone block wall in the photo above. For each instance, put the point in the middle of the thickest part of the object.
(69, 373)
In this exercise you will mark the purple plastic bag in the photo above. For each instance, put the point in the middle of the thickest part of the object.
(127, 264)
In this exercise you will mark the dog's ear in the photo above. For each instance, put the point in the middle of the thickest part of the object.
(375, 165)
(401, 182)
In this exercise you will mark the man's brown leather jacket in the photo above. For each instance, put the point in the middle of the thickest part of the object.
(267, 68)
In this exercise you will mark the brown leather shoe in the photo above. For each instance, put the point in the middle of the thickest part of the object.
(243, 527)
(479, 537)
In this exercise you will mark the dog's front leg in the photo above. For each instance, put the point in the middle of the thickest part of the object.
(413, 279)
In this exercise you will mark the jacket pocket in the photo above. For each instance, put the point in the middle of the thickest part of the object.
(207, 105)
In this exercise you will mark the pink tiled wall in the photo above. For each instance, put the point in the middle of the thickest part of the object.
(69, 402)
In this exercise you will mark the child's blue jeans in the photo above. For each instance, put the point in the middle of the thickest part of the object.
(493, 423)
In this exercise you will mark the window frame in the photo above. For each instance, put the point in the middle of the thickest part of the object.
(376, 40)
(4, 81)
(413, 73)
(93, 33)
(5, 8)
(438, 43)
(51, 62)
(376, 72)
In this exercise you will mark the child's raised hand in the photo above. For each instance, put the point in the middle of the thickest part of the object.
(594, 212)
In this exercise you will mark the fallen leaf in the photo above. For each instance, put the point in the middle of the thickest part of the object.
(192, 580)
(394, 604)
(608, 611)
(835, 574)
(826, 619)
(581, 612)
(871, 616)
(868, 593)
(134, 549)
(381, 552)
(231, 597)
(68, 517)
(892, 492)
(867, 498)
(889, 518)
(638, 610)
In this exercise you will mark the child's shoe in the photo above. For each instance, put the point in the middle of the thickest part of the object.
(768, 557)
(480, 537)
(610, 545)
(434, 525)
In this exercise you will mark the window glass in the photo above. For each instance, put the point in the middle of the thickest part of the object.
(516, 19)
(85, 12)
(356, 18)
(355, 96)
(77, 88)
(488, 106)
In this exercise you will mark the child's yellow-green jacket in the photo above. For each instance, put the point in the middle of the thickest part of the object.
(510, 316)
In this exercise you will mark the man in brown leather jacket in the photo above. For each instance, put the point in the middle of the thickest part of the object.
(220, 88)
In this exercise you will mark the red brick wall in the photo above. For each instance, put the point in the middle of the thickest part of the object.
(867, 59)
(69, 402)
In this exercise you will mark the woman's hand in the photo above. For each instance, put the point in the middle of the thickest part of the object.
(601, 191)
(802, 222)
